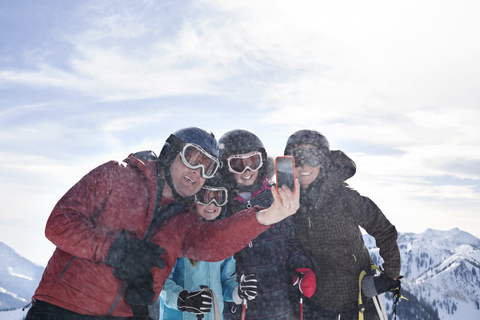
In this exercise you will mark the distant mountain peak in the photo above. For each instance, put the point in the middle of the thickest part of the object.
(19, 278)
(442, 273)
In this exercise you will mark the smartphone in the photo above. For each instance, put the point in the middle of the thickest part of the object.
(285, 172)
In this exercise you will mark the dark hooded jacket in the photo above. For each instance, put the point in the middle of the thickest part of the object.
(273, 256)
(327, 227)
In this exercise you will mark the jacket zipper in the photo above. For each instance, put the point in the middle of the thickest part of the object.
(124, 282)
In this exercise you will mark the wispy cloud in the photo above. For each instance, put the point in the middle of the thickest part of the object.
(394, 84)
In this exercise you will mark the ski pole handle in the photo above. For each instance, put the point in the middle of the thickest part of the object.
(200, 315)
(301, 309)
(244, 308)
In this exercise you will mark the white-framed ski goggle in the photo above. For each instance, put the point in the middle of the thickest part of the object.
(193, 156)
(239, 163)
(216, 195)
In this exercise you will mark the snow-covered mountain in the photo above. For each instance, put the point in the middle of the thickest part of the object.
(18, 278)
(442, 275)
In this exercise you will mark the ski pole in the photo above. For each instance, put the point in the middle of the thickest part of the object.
(200, 315)
(380, 307)
(301, 309)
(244, 308)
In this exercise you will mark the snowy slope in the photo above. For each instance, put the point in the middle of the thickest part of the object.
(442, 271)
(16, 314)
(18, 278)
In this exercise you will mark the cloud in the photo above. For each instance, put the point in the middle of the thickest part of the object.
(466, 168)
(348, 70)
(392, 84)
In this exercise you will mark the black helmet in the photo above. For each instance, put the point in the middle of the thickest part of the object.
(307, 137)
(241, 141)
(175, 143)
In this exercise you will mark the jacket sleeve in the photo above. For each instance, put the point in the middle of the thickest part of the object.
(171, 289)
(229, 278)
(216, 241)
(371, 218)
(70, 225)
(296, 257)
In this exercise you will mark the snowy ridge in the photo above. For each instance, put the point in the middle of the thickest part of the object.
(441, 270)
(18, 275)
(15, 296)
(18, 278)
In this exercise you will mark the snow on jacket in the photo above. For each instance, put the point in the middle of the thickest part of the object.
(89, 217)
(218, 276)
(273, 256)
(327, 227)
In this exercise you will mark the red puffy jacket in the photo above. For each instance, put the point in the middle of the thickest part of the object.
(89, 217)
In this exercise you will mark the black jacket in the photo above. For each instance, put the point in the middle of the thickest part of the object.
(327, 227)
(273, 256)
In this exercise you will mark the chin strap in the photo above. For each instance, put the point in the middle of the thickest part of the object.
(253, 187)
(256, 186)
(168, 178)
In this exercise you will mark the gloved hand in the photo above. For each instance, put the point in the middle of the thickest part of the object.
(375, 285)
(140, 290)
(132, 257)
(197, 302)
(306, 280)
(139, 295)
(247, 288)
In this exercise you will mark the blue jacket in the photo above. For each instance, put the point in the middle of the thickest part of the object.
(218, 276)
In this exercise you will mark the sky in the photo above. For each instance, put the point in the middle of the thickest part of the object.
(393, 84)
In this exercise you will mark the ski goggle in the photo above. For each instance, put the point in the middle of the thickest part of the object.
(309, 156)
(239, 163)
(194, 157)
(216, 195)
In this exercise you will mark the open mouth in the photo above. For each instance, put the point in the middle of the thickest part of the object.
(305, 173)
(247, 177)
(189, 179)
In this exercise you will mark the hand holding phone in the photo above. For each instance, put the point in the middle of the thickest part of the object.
(285, 172)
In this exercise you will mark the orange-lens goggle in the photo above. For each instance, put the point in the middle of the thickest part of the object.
(195, 157)
(216, 195)
(239, 163)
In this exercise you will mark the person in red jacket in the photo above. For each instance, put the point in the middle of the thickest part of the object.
(120, 229)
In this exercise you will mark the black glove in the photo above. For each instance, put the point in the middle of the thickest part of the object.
(139, 294)
(140, 290)
(375, 285)
(132, 257)
(198, 302)
(247, 288)
(384, 283)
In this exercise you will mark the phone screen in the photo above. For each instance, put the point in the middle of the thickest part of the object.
(285, 172)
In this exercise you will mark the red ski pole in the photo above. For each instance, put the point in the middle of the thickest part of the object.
(244, 308)
(301, 309)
